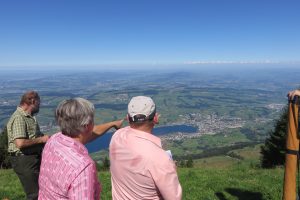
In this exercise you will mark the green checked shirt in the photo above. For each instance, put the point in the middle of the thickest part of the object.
(22, 125)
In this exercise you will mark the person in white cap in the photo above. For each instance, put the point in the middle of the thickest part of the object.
(140, 168)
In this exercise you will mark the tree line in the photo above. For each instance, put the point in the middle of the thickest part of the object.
(4, 159)
(216, 151)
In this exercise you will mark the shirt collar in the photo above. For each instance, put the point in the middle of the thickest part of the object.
(148, 136)
(70, 142)
(23, 112)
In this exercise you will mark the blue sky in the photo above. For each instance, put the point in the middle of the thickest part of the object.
(147, 32)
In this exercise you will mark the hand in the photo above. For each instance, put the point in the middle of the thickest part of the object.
(118, 124)
(293, 93)
(45, 138)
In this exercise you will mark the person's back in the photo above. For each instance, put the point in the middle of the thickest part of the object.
(67, 170)
(140, 168)
(64, 159)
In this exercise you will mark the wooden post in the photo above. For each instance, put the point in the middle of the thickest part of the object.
(291, 157)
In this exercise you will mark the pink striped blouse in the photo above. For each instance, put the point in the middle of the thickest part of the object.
(67, 171)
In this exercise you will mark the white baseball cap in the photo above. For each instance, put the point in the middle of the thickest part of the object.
(141, 108)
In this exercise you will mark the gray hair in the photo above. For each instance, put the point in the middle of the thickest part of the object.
(73, 115)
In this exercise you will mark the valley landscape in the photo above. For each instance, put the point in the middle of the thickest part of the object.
(206, 102)
(219, 118)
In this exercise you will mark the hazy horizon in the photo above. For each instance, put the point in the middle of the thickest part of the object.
(157, 67)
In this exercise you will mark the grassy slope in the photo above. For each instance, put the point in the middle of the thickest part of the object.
(239, 181)
(214, 178)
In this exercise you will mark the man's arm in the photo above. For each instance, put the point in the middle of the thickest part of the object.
(166, 179)
(19, 134)
(99, 130)
(23, 143)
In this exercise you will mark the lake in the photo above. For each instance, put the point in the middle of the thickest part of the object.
(103, 142)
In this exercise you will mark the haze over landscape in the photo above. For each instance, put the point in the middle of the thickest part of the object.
(210, 101)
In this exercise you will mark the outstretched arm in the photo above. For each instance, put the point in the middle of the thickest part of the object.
(99, 130)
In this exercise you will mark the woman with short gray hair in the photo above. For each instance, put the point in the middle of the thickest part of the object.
(67, 171)
(74, 115)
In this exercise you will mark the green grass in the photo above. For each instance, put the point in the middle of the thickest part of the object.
(239, 181)
(214, 178)
(10, 185)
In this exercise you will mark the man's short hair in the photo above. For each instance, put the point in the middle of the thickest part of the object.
(73, 115)
(141, 109)
(29, 98)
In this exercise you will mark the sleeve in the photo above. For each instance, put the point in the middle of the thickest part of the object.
(19, 128)
(166, 179)
(85, 185)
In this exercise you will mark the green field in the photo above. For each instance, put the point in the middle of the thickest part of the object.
(240, 181)
(213, 178)
(223, 170)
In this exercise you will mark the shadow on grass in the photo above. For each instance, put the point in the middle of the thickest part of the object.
(240, 194)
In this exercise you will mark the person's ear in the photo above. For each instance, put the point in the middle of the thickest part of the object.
(89, 127)
(156, 118)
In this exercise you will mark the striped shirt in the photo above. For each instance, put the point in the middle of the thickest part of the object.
(67, 171)
(140, 168)
(21, 125)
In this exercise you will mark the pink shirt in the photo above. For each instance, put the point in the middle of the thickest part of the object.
(67, 171)
(140, 168)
